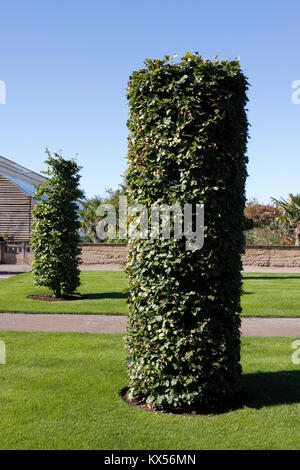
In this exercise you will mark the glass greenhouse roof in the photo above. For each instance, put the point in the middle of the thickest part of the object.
(20, 173)
(25, 179)
(27, 188)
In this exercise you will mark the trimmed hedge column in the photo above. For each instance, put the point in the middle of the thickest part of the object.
(187, 144)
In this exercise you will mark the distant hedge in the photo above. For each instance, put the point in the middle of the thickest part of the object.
(187, 144)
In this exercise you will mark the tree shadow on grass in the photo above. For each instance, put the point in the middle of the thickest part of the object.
(105, 295)
(261, 389)
(271, 388)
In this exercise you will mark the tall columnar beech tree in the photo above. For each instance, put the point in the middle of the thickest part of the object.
(187, 144)
(55, 234)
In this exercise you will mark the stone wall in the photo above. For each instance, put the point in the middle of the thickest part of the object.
(103, 253)
(267, 256)
(15, 253)
(272, 256)
(100, 254)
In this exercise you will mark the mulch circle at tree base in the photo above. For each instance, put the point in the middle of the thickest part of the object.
(52, 298)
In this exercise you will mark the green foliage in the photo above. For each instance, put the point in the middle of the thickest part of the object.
(55, 234)
(262, 215)
(187, 144)
(268, 226)
(4, 237)
(270, 235)
(89, 218)
(290, 214)
(290, 210)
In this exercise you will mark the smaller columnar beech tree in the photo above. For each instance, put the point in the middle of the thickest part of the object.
(55, 235)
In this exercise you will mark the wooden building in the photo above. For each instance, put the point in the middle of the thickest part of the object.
(17, 185)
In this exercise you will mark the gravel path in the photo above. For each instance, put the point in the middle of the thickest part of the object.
(117, 323)
(63, 322)
(272, 269)
(270, 327)
(11, 269)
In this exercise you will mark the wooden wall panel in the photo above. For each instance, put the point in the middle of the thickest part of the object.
(15, 211)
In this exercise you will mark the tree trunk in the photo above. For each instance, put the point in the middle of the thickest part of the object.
(297, 234)
(58, 292)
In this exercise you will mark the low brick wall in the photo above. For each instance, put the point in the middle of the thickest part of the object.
(267, 256)
(272, 256)
(102, 253)
(15, 253)
(91, 253)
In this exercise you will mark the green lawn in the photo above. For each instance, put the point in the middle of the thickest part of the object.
(103, 291)
(271, 295)
(265, 295)
(61, 391)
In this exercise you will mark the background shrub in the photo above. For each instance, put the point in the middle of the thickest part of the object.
(187, 143)
(265, 226)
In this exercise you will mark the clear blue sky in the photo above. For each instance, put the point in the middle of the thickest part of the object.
(66, 65)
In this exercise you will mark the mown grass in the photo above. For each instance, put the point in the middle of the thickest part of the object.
(265, 295)
(102, 291)
(61, 391)
(271, 295)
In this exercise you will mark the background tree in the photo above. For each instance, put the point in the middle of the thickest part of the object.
(89, 218)
(265, 230)
(55, 235)
(261, 214)
(290, 214)
(187, 144)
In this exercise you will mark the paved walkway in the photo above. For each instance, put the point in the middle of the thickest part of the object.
(117, 323)
(63, 322)
(9, 270)
(272, 269)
